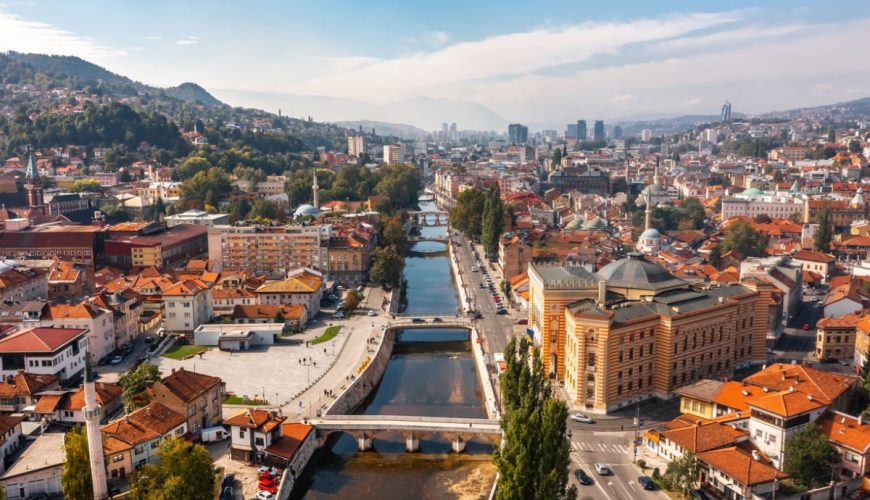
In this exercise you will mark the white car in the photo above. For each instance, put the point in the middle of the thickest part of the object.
(583, 419)
(473, 269)
(264, 495)
(602, 469)
(371, 313)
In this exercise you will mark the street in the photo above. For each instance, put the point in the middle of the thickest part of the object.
(614, 450)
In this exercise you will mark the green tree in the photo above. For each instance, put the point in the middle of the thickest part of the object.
(620, 185)
(75, 480)
(741, 238)
(134, 383)
(114, 213)
(493, 220)
(386, 267)
(393, 233)
(265, 209)
(190, 167)
(762, 219)
(681, 473)
(184, 470)
(557, 158)
(534, 457)
(86, 186)
(715, 257)
(691, 214)
(159, 208)
(809, 457)
(351, 302)
(854, 146)
(825, 229)
(205, 188)
(398, 185)
(466, 215)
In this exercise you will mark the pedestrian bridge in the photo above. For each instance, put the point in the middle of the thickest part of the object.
(365, 429)
(443, 238)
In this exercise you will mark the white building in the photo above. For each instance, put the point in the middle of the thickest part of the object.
(394, 154)
(44, 351)
(186, 305)
(232, 337)
(99, 323)
(356, 145)
(753, 201)
(37, 471)
(197, 217)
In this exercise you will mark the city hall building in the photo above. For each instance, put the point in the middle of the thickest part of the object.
(634, 331)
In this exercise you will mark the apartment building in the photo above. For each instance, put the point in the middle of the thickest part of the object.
(394, 154)
(303, 287)
(44, 351)
(22, 284)
(267, 250)
(132, 441)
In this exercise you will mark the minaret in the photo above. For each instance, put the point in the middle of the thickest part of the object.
(656, 174)
(647, 210)
(316, 189)
(91, 412)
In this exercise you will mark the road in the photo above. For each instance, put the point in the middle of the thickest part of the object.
(496, 329)
(796, 343)
(612, 449)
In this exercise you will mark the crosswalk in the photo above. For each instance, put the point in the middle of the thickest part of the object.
(600, 447)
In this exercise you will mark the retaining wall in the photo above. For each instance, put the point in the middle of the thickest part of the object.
(362, 385)
(458, 278)
(482, 373)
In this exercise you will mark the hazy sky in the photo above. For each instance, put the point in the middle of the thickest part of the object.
(527, 61)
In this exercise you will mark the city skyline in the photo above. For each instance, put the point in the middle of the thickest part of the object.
(523, 63)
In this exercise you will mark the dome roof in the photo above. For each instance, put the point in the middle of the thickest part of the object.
(575, 224)
(753, 192)
(306, 209)
(651, 233)
(639, 273)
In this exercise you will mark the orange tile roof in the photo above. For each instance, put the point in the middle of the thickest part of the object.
(252, 418)
(188, 385)
(48, 403)
(231, 293)
(294, 435)
(185, 288)
(40, 339)
(106, 393)
(157, 418)
(735, 395)
(787, 403)
(813, 256)
(114, 446)
(75, 311)
(823, 386)
(303, 282)
(9, 422)
(26, 384)
(287, 311)
(846, 430)
(739, 465)
(705, 436)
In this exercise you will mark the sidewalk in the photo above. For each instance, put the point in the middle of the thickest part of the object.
(359, 329)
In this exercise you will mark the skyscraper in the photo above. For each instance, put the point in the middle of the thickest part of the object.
(453, 133)
(581, 130)
(394, 154)
(598, 131)
(726, 112)
(518, 134)
(617, 132)
(355, 145)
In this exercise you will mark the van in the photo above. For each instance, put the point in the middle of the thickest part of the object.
(212, 434)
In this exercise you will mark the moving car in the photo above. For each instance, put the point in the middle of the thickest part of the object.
(582, 477)
(228, 487)
(602, 469)
(646, 482)
(583, 419)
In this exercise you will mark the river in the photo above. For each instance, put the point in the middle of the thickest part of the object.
(431, 372)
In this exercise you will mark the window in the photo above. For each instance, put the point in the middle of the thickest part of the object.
(686, 404)
(117, 458)
(258, 441)
(694, 406)
(242, 433)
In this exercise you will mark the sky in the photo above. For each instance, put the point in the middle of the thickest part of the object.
(532, 62)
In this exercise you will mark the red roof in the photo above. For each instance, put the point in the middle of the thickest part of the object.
(40, 339)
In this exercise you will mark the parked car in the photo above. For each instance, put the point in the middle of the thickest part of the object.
(117, 359)
(581, 418)
(805, 327)
(699, 495)
(437, 320)
(582, 477)
(646, 482)
(602, 469)
(523, 321)
(417, 320)
(228, 486)
(501, 311)
(473, 269)
(372, 312)
(264, 495)
(338, 315)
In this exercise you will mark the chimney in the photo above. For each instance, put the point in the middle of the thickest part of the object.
(173, 370)
(755, 455)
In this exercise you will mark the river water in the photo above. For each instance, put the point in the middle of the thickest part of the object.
(431, 373)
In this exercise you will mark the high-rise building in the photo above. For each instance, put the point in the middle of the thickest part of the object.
(394, 154)
(581, 130)
(454, 134)
(617, 132)
(356, 145)
(726, 112)
(518, 134)
(645, 135)
(269, 250)
(598, 131)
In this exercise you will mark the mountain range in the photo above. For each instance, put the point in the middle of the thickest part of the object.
(423, 112)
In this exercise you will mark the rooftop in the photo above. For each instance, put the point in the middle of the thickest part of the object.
(45, 451)
(565, 276)
(41, 340)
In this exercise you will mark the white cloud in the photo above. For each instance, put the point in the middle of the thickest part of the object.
(501, 55)
(623, 98)
(154, 37)
(436, 38)
(21, 35)
(188, 40)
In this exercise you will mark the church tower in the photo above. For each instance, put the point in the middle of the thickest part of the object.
(33, 187)
(91, 412)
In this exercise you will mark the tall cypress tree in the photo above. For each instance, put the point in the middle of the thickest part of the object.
(493, 214)
(533, 461)
(825, 231)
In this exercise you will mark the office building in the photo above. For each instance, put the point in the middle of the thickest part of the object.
(617, 132)
(633, 331)
(198, 217)
(645, 135)
(518, 134)
(598, 131)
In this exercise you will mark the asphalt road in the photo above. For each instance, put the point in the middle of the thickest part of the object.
(614, 450)
(496, 329)
(795, 343)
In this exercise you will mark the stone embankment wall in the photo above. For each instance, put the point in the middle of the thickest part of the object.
(365, 382)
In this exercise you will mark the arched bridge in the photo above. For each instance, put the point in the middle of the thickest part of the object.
(407, 322)
(435, 237)
(433, 218)
(366, 427)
